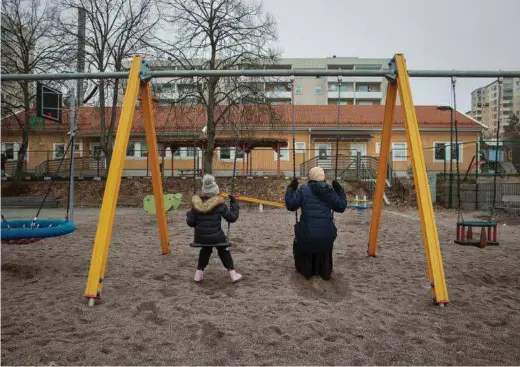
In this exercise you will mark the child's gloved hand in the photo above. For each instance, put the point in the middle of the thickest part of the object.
(294, 184)
(232, 200)
(337, 186)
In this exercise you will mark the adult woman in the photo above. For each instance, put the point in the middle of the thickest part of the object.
(315, 232)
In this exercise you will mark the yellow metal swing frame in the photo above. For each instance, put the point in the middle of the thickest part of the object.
(137, 82)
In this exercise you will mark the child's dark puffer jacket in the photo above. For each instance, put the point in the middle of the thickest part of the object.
(206, 216)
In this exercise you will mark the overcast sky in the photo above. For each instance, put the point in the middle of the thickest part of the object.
(432, 34)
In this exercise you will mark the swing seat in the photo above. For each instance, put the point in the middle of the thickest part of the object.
(22, 232)
(488, 234)
(223, 244)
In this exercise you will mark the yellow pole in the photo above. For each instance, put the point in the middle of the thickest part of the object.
(153, 155)
(108, 207)
(428, 225)
(386, 142)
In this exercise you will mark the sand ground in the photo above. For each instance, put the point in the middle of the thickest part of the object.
(374, 311)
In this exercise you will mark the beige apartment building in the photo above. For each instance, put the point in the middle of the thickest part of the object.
(485, 103)
(308, 90)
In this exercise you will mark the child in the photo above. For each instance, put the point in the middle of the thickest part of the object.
(315, 232)
(206, 216)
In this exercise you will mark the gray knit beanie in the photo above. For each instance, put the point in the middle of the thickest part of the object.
(209, 186)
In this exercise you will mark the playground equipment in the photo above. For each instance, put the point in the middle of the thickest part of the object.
(399, 80)
(462, 237)
(22, 232)
(171, 202)
(360, 205)
(398, 77)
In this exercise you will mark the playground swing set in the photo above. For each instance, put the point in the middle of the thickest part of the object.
(488, 228)
(398, 81)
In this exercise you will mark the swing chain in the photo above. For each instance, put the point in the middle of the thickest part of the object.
(293, 93)
(460, 217)
(499, 120)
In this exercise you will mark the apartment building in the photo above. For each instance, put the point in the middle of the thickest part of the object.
(485, 103)
(308, 90)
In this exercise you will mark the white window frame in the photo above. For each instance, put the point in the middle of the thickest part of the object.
(231, 158)
(461, 151)
(16, 148)
(138, 146)
(78, 151)
(400, 159)
(446, 149)
(282, 158)
(378, 148)
(54, 145)
(183, 153)
(299, 147)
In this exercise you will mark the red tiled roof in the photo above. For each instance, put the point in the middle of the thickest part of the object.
(178, 119)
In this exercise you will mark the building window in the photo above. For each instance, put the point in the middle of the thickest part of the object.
(239, 153)
(143, 151)
(58, 150)
(224, 153)
(439, 153)
(284, 154)
(399, 152)
(299, 147)
(9, 150)
(190, 152)
(362, 88)
(228, 154)
(318, 90)
(130, 150)
(136, 150)
(456, 151)
(298, 90)
(378, 148)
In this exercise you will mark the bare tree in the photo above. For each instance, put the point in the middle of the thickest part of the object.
(218, 35)
(29, 46)
(114, 31)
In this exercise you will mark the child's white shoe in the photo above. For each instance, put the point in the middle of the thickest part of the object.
(199, 275)
(235, 277)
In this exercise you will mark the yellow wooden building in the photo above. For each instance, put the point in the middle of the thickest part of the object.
(264, 136)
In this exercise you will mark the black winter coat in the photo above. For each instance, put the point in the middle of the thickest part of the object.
(206, 216)
(316, 230)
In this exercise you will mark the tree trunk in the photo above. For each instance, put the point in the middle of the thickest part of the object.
(22, 152)
(104, 143)
(210, 125)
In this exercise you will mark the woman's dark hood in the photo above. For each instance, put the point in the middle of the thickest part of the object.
(320, 188)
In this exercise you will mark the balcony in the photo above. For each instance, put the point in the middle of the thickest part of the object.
(369, 95)
(343, 94)
(358, 79)
(278, 94)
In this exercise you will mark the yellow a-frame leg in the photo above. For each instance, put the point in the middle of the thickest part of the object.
(384, 153)
(428, 225)
(108, 207)
(151, 141)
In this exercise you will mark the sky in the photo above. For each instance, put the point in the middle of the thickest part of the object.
(432, 34)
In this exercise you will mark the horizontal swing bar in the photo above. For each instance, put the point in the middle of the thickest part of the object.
(269, 73)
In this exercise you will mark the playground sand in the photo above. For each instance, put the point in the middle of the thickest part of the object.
(374, 311)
